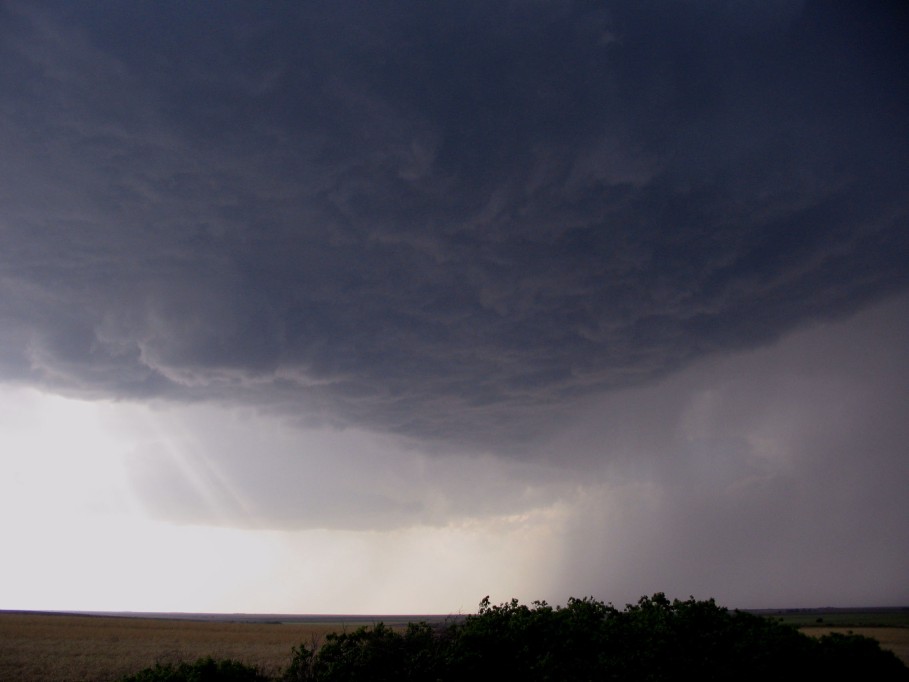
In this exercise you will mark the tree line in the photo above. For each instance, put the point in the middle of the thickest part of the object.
(653, 640)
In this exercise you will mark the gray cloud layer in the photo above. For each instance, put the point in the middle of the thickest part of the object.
(764, 478)
(449, 221)
(770, 477)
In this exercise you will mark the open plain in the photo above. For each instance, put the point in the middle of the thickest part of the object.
(895, 639)
(53, 647)
(889, 626)
(68, 648)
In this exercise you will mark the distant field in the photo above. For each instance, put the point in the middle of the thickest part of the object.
(102, 648)
(889, 626)
(71, 648)
(894, 639)
(847, 618)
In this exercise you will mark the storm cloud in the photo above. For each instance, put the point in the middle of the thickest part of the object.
(442, 221)
(621, 284)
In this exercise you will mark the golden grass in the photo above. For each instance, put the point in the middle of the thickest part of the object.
(70, 648)
(894, 639)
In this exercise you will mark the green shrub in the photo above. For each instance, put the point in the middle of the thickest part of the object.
(203, 670)
(856, 657)
(379, 654)
(655, 639)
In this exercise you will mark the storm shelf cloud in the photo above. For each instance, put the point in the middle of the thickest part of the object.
(576, 249)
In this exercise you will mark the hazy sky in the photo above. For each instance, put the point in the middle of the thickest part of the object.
(386, 306)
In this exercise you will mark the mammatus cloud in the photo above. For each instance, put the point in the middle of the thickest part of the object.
(446, 224)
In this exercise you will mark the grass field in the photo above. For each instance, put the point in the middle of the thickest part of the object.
(894, 639)
(889, 626)
(842, 618)
(69, 648)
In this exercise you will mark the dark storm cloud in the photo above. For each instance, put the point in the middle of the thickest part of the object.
(443, 220)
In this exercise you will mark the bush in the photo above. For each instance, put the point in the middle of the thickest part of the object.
(378, 654)
(203, 670)
(855, 657)
(655, 639)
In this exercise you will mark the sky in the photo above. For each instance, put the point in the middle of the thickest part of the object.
(384, 307)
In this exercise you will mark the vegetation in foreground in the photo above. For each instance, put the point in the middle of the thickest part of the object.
(655, 639)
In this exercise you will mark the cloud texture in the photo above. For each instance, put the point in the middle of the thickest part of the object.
(639, 270)
(440, 222)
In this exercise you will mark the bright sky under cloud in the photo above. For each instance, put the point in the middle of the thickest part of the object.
(385, 307)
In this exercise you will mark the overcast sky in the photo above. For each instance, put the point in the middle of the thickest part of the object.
(386, 306)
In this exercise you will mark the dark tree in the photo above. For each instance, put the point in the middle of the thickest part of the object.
(653, 640)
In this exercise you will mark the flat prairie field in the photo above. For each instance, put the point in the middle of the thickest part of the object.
(894, 639)
(69, 648)
(37, 647)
